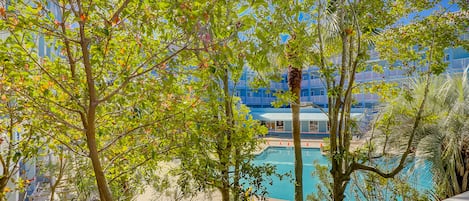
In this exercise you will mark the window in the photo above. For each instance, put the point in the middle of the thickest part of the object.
(257, 94)
(284, 79)
(313, 126)
(270, 125)
(249, 94)
(279, 126)
(315, 75)
(322, 92)
(305, 76)
(237, 93)
(447, 57)
(312, 93)
(304, 92)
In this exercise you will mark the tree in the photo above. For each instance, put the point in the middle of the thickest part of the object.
(336, 39)
(223, 136)
(97, 97)
(442, 138)
(416, 48)
(278, 41)
(19, 142)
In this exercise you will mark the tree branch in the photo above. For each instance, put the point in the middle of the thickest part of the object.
(47, 72)
(135, 75)
(128, 132)
(119, 10)
(132, 169)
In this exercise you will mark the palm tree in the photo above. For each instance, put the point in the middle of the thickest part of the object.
(443, 137)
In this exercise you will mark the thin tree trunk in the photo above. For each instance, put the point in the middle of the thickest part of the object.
(103, 188)
(236, 178)
(104, 191)
(227, 152)
(59, 177)
(3, 185)
(225, 194)
(294, 81)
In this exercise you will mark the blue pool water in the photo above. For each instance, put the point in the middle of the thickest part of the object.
(283, 159)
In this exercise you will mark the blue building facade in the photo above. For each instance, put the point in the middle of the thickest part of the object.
(314, 91)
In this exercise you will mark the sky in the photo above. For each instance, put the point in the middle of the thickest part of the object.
(445, 4)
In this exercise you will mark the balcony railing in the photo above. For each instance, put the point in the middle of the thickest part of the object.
(459, 64)
(366, 97)
(278, 86)
(369, 75)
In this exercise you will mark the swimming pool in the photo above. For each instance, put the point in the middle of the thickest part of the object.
(283, 159)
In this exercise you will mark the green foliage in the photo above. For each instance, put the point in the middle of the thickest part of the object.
(421, 44)
(114, 81)
(373, 187)
(20, 141)
(336, 39)
(91, 92)
(442, 136)
(203, 154)
(324, 189)
(220, 135)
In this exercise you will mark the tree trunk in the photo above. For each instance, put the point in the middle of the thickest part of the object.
(294, 82)
(104, 191)
(54, 186)
(225, 194)
(3, 184)
(236, 178)
(338, 189)
(225, 191)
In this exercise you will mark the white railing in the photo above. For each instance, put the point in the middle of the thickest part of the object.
(366, 97)
(278, 86)
(319, 99)
(459, 63)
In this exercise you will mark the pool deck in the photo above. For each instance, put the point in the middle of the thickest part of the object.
(460, 197)
(305, 143)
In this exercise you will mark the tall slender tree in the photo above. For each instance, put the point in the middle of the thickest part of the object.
(280, 39)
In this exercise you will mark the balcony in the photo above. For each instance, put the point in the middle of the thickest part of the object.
(315, 99)
(458, 65)
(319, 99)
(258, 100)
(368, 75)
(395, 73)
(253, 101)
(316, 82)
(278, 86)
(366, 97)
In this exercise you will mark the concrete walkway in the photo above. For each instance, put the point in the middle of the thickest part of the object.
(460, 197)
(305, 143)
